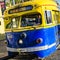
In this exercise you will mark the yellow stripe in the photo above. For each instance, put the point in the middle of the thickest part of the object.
(28, 28)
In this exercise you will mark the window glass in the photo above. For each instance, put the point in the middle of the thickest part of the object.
(48, 17)
(57, 17)
(31, 20)
(14, 23)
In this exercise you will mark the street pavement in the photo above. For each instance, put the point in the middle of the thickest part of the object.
(3, 52)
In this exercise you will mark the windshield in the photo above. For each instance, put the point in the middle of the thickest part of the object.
(31, 20)
(13, 23)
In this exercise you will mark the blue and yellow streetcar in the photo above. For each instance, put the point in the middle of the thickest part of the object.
(31, 28)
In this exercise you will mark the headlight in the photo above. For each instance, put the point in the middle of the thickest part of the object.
(20, 41)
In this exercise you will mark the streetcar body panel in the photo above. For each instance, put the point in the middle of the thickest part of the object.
(47, 46)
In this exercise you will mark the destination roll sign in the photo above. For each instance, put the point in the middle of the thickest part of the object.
(20, 9)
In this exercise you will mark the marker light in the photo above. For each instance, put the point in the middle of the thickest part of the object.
(39, 40)
(23, 35)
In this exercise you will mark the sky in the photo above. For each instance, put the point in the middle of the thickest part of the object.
(58, 1)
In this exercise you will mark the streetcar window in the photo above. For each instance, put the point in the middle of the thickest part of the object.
(48, 17)
(56, 17)
(14, 23)
(31, 20)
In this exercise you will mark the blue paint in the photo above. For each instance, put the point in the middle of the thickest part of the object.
(45, 53)
(59, 33)
(58, 27)
(47, 34)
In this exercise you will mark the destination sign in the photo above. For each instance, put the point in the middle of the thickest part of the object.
(20, 9)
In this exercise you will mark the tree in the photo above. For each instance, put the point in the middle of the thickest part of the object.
(17, 1)
(11, 2)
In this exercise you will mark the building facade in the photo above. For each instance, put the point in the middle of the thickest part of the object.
(1, 18)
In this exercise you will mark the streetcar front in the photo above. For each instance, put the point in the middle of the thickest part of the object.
(28, 30)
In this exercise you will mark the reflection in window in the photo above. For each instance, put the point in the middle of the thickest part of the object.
(14, 23)
(56, 17)
(31, 20)
(48, 17)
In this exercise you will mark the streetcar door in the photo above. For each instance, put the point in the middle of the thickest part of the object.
(55, 20)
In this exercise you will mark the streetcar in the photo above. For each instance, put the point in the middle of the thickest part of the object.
(31, 28)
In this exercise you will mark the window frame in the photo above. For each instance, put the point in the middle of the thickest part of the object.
(32, 17)
(47, 22)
